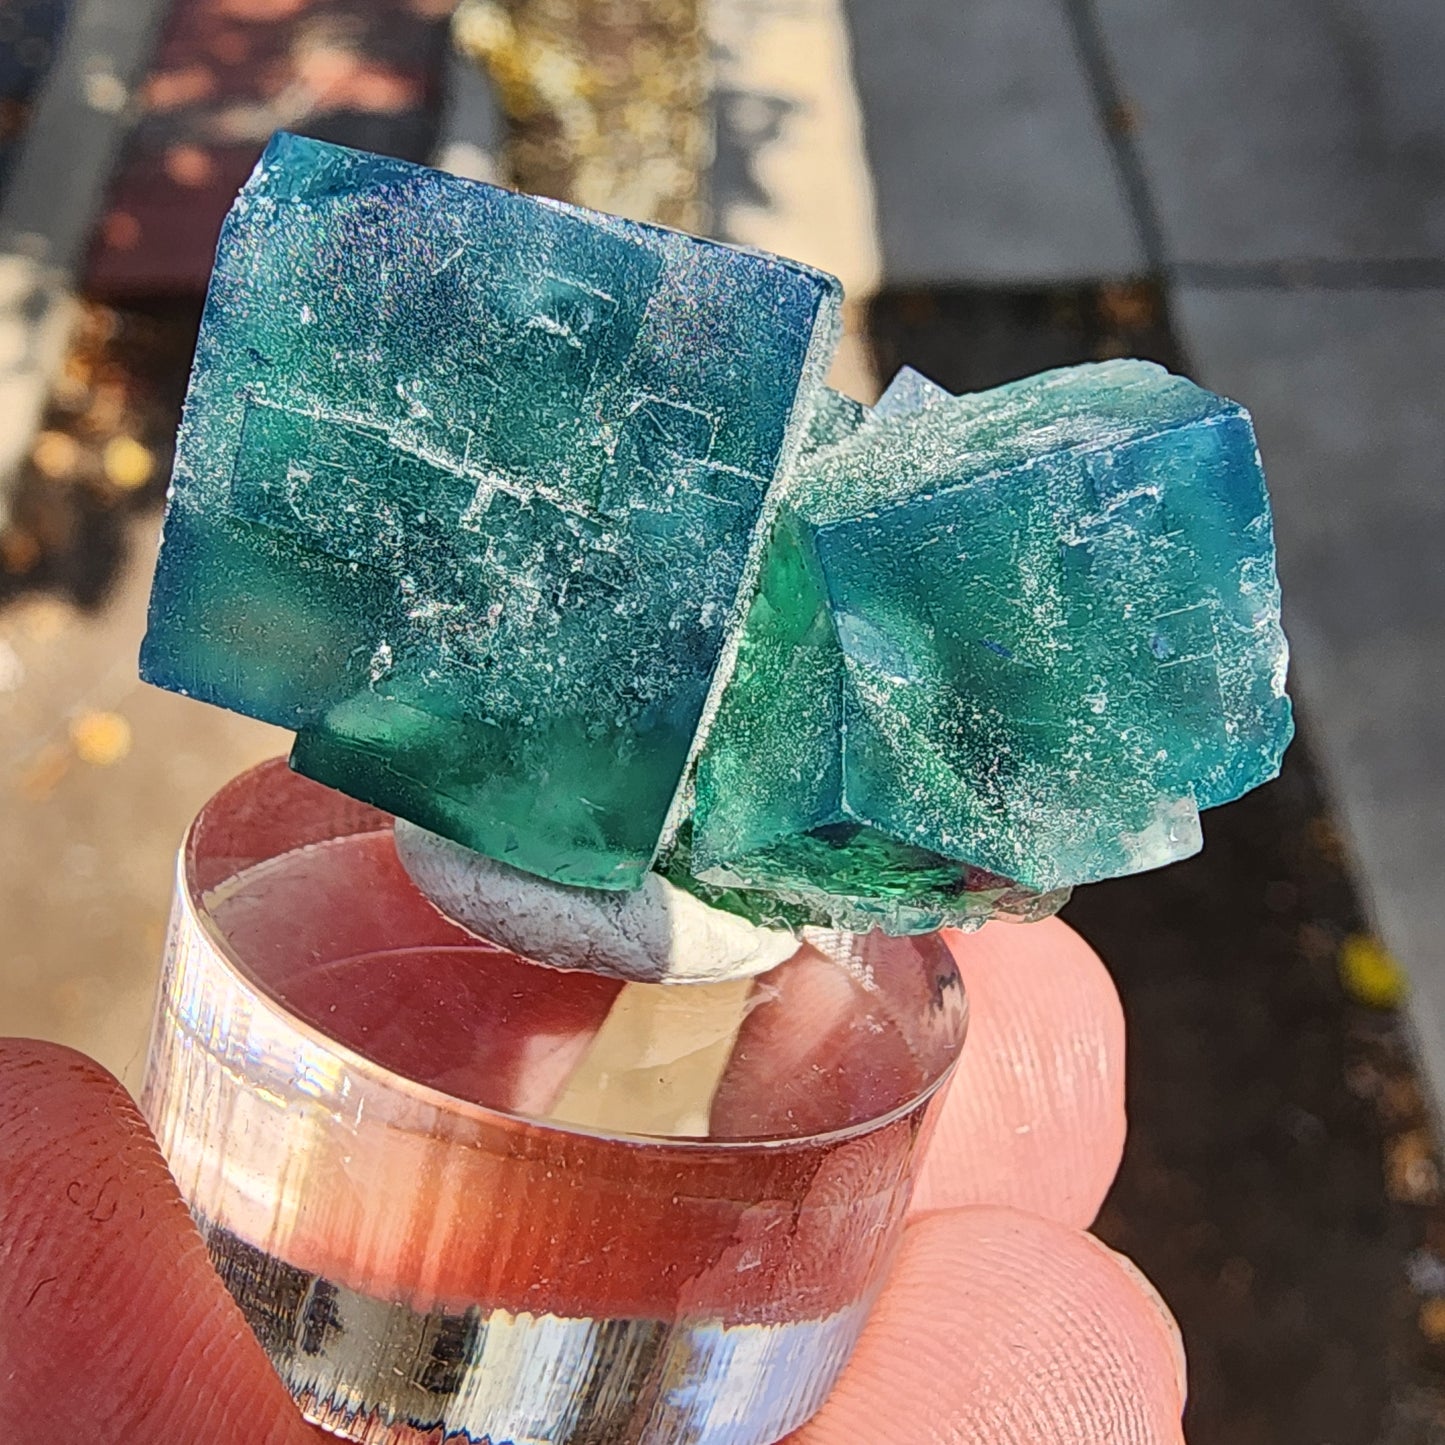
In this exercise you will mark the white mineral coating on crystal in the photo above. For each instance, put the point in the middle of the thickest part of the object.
(656, 934)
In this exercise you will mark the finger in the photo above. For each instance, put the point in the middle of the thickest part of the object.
(863, 1052)
(1002, 1328)
(111, 1318)
(1034, 1117)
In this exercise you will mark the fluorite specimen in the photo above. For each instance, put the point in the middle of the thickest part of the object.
(541, 530)
(466, 494)
(1032, 630)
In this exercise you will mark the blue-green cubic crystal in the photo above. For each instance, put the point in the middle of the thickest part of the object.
(467, 491)
(1032, 630)
(540, 529)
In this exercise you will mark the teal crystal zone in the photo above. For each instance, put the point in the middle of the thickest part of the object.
(1032, 630)
(467, 492)
(540, 529)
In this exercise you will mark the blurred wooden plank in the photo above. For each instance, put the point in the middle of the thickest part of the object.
(228, 73)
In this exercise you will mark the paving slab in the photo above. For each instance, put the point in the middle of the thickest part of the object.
(99, 778)
(988, 158)
(1274, 131)
(790, 171)
(1346, 389)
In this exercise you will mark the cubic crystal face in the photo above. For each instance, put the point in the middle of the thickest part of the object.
(484, 496)
(1032, 630)
(467, 493)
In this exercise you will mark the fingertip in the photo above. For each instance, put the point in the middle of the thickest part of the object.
(1159, 1310)
(1034, 1118)
(1001, 1328)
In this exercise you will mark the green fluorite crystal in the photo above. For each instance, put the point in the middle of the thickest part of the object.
(1033, 630)
(467, 491)
(776, 810)
(540, 530)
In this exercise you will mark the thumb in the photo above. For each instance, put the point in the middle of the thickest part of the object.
(113, 1325)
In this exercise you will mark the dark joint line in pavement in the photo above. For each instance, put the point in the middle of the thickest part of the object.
(1116, 120)
(1406, 273)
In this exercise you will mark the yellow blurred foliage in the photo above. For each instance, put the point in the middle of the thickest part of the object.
(1369, 972)
(56, 455)
(100, 738)
(128, 465)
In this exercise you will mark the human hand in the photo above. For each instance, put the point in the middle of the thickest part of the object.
(1003, 1323)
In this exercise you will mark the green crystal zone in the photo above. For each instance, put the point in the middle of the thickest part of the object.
(1032, 630)
(466, 493)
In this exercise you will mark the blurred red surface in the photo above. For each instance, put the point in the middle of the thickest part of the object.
(226, 75)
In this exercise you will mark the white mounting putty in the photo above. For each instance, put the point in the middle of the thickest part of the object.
(656, 934)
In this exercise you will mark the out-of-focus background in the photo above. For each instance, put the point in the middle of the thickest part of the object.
(1252, 191)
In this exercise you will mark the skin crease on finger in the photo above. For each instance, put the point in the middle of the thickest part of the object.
(1006, 1323)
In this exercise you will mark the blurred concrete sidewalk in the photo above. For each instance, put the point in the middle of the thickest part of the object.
(1282, 166)
(100, 777)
